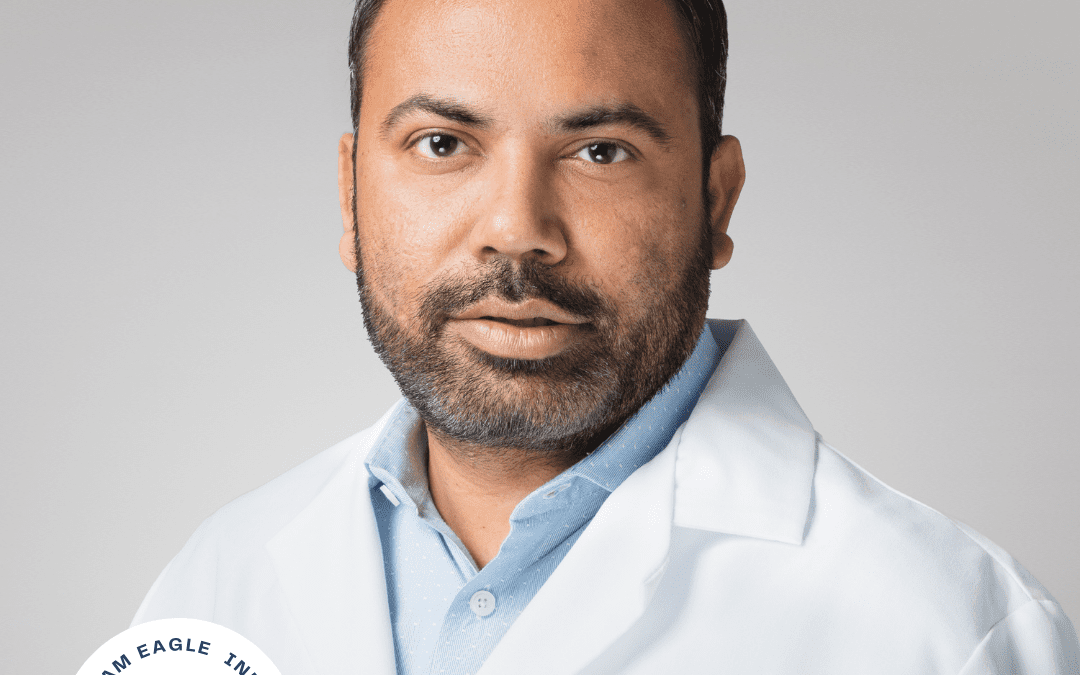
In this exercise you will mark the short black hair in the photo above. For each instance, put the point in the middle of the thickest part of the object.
(704, 25)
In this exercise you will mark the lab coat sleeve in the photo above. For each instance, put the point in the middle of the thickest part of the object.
(1035, 639)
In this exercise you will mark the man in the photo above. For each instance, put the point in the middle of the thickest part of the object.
(585, 475)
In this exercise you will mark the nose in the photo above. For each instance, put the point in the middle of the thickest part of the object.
(519, 218)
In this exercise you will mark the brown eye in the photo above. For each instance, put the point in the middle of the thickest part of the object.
(603, 153)
(437, 146)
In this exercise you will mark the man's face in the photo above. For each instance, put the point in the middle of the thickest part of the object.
(533, 243)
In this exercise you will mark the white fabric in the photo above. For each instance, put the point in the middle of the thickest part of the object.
(747, 546)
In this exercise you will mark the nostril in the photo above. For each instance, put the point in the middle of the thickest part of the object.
(519, 241)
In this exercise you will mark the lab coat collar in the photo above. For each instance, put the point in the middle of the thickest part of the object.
(746, 458)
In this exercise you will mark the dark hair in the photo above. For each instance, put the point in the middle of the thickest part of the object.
(704, 25)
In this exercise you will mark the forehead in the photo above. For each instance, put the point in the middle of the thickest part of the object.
(522, 56)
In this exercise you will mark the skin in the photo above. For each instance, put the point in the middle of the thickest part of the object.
(521, 184)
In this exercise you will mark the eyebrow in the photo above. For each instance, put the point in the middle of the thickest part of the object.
(624, 113)
(588, 118)
(447, 108)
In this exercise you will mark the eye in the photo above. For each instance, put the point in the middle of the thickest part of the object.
(440, 145)
(603, 153)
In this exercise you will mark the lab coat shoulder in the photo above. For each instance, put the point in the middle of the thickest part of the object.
(923, 578)
(850, 502)
(226, 572)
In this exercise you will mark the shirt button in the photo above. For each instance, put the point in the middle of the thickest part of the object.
(482, 603)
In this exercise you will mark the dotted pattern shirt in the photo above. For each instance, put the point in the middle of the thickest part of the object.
(448, 615)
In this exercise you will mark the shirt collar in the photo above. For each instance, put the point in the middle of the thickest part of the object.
(644, 435)
(398, 456)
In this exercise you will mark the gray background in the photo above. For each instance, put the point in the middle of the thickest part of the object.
(177, 328)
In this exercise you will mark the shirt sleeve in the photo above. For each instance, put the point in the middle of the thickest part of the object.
(1035, 639)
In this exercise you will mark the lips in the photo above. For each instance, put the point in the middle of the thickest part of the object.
(533, 329)
(531, 312)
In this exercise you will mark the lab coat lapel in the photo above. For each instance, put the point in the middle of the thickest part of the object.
(329, 562)
(747, 458)
(602, 585)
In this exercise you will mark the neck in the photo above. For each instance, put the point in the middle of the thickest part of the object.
(476, 488)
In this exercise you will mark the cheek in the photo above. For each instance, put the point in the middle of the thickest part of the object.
(394, 273)
(405, 239)
(640, 249)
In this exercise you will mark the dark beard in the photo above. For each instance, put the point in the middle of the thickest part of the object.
(562, 406)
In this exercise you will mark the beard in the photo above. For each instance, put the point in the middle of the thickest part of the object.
(558, 408)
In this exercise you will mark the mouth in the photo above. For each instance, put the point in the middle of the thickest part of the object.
(530, 313)
(522, 323)
(529, 330)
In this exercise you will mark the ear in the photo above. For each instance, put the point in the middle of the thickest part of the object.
(726, 177)
(346, 187)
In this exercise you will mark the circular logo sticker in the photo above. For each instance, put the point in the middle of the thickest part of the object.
(178, 647)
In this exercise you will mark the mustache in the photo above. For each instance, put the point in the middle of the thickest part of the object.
(514, 282)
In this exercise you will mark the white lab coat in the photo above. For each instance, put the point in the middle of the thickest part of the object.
(747, 546)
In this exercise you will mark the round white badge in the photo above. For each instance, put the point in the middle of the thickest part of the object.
(178, 647)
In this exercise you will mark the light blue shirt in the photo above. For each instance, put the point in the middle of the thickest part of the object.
(447, 615)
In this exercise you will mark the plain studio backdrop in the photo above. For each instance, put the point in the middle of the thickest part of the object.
(178, 329)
